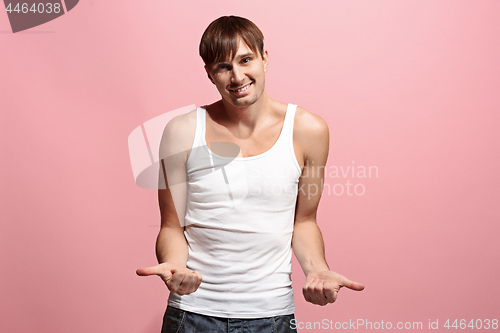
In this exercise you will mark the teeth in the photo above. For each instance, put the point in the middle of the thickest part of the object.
(242, 89)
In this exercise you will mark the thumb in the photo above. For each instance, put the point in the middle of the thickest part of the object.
(146, 271)
(155, 270)
(353, 285)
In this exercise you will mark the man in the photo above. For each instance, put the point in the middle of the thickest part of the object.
(238, 198)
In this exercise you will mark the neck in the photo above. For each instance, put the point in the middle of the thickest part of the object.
(246, 116)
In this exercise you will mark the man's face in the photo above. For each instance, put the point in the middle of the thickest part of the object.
(240, 80)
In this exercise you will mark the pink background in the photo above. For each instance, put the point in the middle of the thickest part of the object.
(411, 87)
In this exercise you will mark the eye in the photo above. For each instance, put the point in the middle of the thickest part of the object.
(223, 67)
(246, 60)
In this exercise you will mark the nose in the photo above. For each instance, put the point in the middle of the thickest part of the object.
(237, 74)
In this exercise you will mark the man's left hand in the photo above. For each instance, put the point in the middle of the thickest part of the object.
(322, 287)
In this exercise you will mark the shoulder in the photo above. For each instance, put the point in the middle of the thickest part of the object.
(181, 122)
(310, 137)
(179, 132)
(309, 125)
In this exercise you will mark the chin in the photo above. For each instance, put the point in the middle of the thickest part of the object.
(245, 101)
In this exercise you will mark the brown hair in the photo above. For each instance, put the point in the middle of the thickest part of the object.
(220, 39)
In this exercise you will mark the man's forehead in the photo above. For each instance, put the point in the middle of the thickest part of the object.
(243, 47)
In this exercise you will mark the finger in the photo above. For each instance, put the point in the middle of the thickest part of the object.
(307, 295)
(308, 290)
(188, 283)
(175, 281)
(330, 292)
(199, 279)
(353, 285)
(310, 283)
(313, 292)
(318, 294)
(146, 271)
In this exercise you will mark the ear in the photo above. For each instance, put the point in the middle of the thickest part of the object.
(209, 76)
(265, 59)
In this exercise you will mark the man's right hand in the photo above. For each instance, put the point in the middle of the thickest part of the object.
(179, 280)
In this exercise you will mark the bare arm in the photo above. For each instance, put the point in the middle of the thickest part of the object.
(322, 285)
(312, 136)
(171, 244)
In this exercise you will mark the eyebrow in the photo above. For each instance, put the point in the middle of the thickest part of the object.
(249, 54)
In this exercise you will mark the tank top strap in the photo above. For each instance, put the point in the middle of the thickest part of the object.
(286, 132)
(201, 123)
(288, 122)
(287, 135)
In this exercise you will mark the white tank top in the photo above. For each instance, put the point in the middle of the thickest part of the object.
(239, 223)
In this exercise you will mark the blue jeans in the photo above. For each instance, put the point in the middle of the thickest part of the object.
(180, 321)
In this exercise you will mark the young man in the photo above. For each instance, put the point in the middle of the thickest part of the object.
(243, 183)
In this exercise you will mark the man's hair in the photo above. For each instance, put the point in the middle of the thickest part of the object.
(220, 39)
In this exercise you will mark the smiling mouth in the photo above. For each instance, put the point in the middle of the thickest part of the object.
(241, 89)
